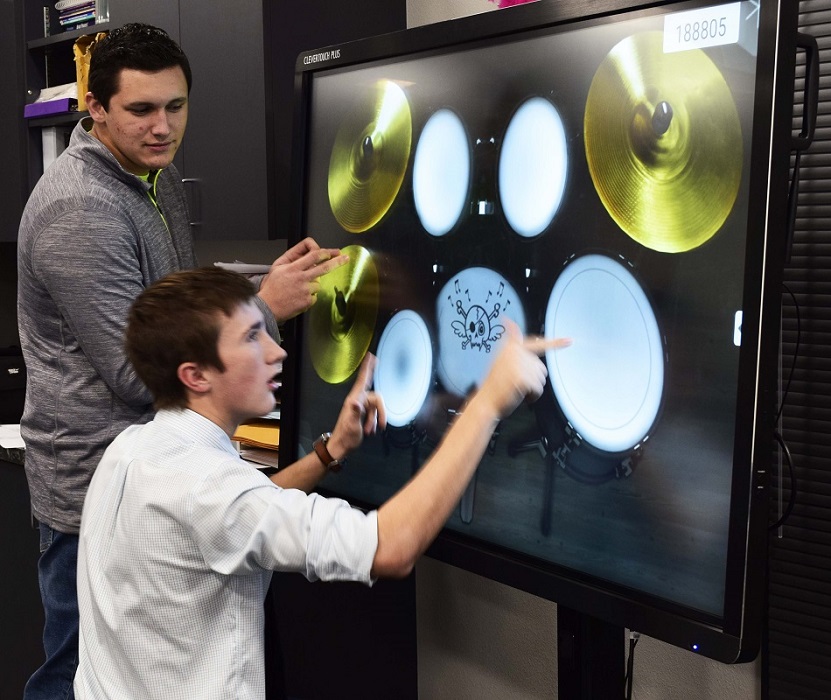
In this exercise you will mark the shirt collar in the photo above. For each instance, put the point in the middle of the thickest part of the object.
(194, 428)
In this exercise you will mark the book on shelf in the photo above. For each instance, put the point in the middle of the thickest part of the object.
(76, 22)
(84, 10)
(44, 109)
(79, 25)
(74, 16)
(62, 5)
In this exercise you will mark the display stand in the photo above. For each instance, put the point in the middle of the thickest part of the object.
(590, 657)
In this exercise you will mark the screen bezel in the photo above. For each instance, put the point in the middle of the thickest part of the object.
(735, 635)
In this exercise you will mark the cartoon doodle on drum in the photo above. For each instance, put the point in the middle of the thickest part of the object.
(476, 330)
(467, 310)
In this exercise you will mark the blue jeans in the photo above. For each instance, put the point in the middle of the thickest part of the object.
(56, 572)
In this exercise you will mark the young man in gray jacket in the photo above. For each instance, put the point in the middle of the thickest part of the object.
(106, 220)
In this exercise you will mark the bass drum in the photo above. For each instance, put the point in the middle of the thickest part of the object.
(609, 385)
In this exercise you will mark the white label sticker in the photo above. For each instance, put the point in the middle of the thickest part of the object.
(698, 29)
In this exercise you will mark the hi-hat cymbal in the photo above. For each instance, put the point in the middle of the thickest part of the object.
(663, 143)
(369, 157)
(342, 321)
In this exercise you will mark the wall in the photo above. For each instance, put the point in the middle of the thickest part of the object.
(11, 125)
(479, 639)
(8, 294)
(429, 11)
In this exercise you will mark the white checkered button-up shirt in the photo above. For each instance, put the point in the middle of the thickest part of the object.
(179, 537)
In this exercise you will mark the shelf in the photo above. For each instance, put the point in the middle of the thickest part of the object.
(64, 37)
(56, 119)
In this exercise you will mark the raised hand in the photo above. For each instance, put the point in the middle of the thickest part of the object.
(518, 373)
(290, 287)
(362, 414)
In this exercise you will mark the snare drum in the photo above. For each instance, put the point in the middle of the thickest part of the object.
(470, 310)
(609, 384)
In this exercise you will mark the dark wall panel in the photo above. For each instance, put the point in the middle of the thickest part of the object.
(11, 123)
(798, 645)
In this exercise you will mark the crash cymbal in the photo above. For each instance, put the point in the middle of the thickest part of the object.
(369, 157)
(663, 143)
(342, 320)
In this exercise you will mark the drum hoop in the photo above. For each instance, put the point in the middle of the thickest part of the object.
(407, 417)
(558, 192)
(600, 438)
(417, 200)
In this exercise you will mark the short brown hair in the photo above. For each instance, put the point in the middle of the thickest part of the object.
(134, 46)
(176, 320)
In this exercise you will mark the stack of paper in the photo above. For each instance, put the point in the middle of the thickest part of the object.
(259, 433)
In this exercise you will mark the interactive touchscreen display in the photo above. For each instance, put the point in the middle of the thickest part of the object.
(589, 180)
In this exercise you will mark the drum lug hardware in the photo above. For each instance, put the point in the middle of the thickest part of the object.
(560, 455)
(573, 441)
(492, 442)
(624, 469)
(542, 446)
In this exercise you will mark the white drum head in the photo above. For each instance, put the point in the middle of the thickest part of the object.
(470, 311)
(441, 172)
(404, 367)
(533, 163)
(610, 383)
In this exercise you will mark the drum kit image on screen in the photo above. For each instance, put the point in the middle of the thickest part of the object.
(662, 144)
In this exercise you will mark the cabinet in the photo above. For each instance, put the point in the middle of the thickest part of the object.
(47, 61)
(12, 184)
(225, 147)
(223, 156)
(21, 613)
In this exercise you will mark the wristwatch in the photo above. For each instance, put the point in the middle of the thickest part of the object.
(322, 451)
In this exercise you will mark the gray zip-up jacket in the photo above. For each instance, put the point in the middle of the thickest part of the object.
(90, 240)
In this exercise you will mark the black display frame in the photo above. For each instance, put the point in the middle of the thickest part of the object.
(733, 636)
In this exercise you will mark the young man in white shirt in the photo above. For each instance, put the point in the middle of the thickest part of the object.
(179, 536)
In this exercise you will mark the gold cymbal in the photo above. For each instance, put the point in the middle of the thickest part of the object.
(663, 143)
(342, 321)
(369, 157)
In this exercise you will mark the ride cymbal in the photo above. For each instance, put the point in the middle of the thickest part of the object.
(369, 157)
(663, 143)
(342, 321)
